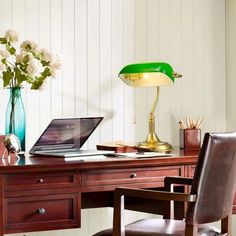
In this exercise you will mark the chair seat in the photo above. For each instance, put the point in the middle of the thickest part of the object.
(159, 227)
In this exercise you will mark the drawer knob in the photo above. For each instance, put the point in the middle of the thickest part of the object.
(40, 180)
(41, 211)
(133, 175)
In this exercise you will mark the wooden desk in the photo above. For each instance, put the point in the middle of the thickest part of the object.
(48, 193)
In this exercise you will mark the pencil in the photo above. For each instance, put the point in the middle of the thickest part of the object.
(181, 125)
(188, 123)
(199, 123)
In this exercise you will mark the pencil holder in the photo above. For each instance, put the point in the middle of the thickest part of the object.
(190, 139)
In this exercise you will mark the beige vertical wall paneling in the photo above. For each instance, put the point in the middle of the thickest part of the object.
(45, 43)
(56, 49)
(81, 57)
(164, 39)
(93, 65)
(117, 60)
(231, 69)
(95, 39)
(215, 83)
(198, 76)
(129, 58)
(209, 104)
(230, 63)
(176, 90)
(187, 57)
(141, 103)
(105, 71)
(68, 54)
(32, 97)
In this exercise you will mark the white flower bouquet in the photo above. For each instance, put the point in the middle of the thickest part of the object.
(30, 64)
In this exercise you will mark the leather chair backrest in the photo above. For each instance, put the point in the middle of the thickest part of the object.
(214, 179)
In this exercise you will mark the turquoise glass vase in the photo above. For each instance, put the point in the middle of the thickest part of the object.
(15, 116)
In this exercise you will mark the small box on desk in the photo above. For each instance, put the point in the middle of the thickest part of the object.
(190, 139)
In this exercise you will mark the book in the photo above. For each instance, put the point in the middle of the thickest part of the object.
(117, 147)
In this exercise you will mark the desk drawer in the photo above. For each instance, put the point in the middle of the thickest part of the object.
(42, 180)
(129, 176)
(44, 212)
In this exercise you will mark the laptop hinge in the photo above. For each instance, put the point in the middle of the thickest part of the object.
(54, 147)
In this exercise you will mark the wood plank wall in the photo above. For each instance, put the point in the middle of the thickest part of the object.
(230, 63)
(94, 39)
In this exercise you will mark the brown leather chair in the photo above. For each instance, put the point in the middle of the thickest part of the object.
(210, 199)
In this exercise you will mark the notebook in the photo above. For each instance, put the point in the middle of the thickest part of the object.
(65, 137)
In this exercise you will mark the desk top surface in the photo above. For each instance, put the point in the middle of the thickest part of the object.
(26, 163)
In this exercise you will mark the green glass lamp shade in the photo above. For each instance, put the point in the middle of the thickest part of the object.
(148, 74)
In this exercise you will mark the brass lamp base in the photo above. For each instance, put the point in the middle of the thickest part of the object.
(154, 143)
(157, 146)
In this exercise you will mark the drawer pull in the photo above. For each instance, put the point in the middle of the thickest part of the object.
(41, 211)
(133, 175)
(40, 180)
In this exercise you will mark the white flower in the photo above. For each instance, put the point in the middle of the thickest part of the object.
(4, 53)
(54, 66)
(29, 46)
(53, 73)
(45, 55)
(22, 56)
(11, 36)
(55, 63)
(34, 67)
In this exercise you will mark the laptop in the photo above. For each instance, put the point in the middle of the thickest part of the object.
(65, 137)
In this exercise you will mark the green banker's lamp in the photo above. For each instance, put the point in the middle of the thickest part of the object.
(153, 74)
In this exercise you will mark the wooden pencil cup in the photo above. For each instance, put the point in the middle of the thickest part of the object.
(190, 139)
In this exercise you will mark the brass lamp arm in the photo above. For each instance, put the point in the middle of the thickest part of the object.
(154, 105)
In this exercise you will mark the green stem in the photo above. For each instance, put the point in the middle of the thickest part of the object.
(10, 64)
(12, 114)
(12, 120)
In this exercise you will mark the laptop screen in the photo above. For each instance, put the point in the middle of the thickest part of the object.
(68, 132)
